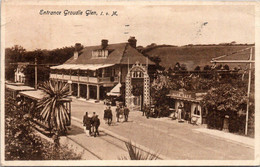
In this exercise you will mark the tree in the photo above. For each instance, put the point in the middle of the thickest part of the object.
(13, 55)
(159, 91)
(197, 68)
(52, 107)
(227, 99)
(20, 141)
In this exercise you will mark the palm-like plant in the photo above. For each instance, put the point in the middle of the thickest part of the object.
(53, 109)
(137, 154)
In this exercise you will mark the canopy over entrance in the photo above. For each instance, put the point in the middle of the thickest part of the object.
(115, 91)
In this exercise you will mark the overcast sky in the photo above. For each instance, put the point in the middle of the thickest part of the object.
(174, 25)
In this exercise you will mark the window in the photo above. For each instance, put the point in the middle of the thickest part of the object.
(99, 54)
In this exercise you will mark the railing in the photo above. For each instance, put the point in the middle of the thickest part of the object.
(108, 79)
(54, 76)
(74, 78)
(59, 76)
(67, 77)
(93, 79)
(84, 78)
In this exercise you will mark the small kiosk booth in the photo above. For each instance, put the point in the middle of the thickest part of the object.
(188, 103)
(13, 89)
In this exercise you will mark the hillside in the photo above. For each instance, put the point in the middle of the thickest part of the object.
(196, 55)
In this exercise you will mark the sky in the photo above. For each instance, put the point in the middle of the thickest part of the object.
(168, 24)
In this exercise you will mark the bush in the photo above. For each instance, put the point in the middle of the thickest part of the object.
(21, 142)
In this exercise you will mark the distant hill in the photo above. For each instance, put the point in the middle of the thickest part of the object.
(193, 55)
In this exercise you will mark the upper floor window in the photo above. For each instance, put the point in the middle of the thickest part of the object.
(100, 54)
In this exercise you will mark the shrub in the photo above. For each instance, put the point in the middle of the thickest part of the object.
(21, 142)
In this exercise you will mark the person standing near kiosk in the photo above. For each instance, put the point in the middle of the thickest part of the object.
(180, 109)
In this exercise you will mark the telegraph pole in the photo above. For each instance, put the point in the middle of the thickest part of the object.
(35, 69)
(250, 61)
(248, 91)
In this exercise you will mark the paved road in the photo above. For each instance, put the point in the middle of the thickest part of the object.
(178, 141)
(104, 147)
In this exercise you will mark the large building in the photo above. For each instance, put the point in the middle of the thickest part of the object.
(95, 70)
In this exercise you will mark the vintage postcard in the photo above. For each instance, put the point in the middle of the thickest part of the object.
(94, 83)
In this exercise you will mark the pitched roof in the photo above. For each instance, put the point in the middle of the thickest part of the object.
(192, 56)
(243, 54)
(120, 53)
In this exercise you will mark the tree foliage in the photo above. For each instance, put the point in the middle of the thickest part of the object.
(21, 141)
(45, 58)
(52, 107)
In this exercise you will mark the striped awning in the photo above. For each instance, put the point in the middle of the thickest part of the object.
(81, 66)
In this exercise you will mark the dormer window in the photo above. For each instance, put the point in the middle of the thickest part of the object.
(100, 54)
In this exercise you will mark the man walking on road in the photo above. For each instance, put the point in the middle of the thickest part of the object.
(109, 116)
(126, 113)
(87, 124)
(117, 113)
(96, 123)
(92, 122)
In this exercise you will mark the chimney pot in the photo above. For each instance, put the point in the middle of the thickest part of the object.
(132, 42)
(77, 47)
(104, 43)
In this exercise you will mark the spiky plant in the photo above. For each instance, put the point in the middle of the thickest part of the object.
(52, 107)
(137, 154)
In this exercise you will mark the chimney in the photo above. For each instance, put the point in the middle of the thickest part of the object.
(77, 49)
(104, 43)
(132, 42)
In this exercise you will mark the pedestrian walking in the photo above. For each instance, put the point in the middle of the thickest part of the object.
(126, 113)
(109, 116)
(121, 113)
(117, 113)
(87, 124)
(106, 114)
(92, 122)
(144, 109)
(96, 123)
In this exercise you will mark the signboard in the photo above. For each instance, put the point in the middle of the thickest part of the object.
(182, 94)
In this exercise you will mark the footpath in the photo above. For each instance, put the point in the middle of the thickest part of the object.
(168, 138)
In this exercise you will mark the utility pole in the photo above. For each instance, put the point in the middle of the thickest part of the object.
(250, 61)
(248, 90)
(35, 69)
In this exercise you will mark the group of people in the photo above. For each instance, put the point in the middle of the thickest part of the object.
(108, 115)
(91, 124)
(122, 111)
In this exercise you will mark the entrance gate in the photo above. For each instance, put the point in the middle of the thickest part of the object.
(137, 71)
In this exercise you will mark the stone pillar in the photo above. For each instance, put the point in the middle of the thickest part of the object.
(87, 91)
(98, 92)
(78, 95)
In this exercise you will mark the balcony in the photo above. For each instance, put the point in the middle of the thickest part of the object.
(74, 78)
(66, 77)
(53, 76)
(108, 79)
(85, 79)
(93, 79)
(59, 76)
